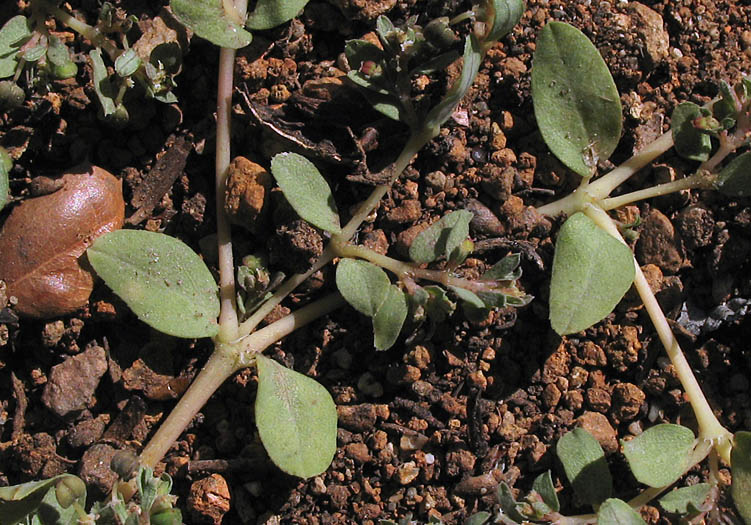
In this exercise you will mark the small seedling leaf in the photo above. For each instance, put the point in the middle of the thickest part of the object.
(362, 284)
(57, 53)
(375, 88)
(659, 455)
(272, 13)
(208, 20)
(508, 503)
(389, 319)
(507, 269)
(506, 14)
(576, 103)
(441, 238)
(585, 466)
(439, 306)
(306, 190)
(127, 63)
(6, 163)
(478, 519)
(467, 297)
(618, 512)
(103, 88)
(543, 485)
(686, 500)
(472, 58)
(40, 498)
(34, 54)
(689, 142)
(591, 273)
(13, 35)
(735, 178)
(740, 458)
(162, 280)
(296, 419)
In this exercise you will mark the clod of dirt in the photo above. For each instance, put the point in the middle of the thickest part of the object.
(601, 429)
(658, 243)
(95, 469)
(44, 238)
(72, 383)
(209, 499)
(246, 200)
(653, 39)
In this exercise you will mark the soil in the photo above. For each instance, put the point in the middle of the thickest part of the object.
(432, 425)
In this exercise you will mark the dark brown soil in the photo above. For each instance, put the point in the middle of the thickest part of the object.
(430, 426)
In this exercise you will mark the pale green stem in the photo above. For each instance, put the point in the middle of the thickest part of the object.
(409, 271)
(227, 294)
(221, 365)
(602, 187)
(697, 180)
(89, 32)
(710, 428)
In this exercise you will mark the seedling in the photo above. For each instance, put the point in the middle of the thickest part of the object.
(27, 47)
(170, 288)
(579, 113)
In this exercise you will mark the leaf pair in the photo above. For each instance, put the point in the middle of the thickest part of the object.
(14, 34)
(368, 289)
(218, 22)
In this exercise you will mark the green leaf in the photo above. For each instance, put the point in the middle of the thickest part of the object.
(127, 63)
(57, 52)
(13, 35)
(362, 284)
(689, 142)
(472, 58)
(591, 272)
(19, 501)
(208, 20)
(34, 54)
(585, 466)
(508, 504)
(296, 419)
(467, 297)
(686, 500)
(740, 458)
(506, 14)
(735, 178)
(103, 87)
(441, 238)
(360, 51)
(161, 279)
(618, 512)
(479, 518)
(306, 190)
(6, 163)
(659, 455)
(507, 269)
(389, 319)
(543, 485)
(438, 306)
(575, 99)
(272, 13)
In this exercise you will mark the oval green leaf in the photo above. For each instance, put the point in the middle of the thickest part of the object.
(441, 238)
(543, 485)
(389, 319)
(740, 458)
(592, 270)
(618, 512)
(6, 163)
(686, 500)
(13, 35)
(506, 14)
(362, 284)
(162, 280)
(659, 455)
(690, 143)
(306, 190)
(296, 419)
(207, 19)
(586, 469)
(575, 99)
(272, 13)
(735, 178)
